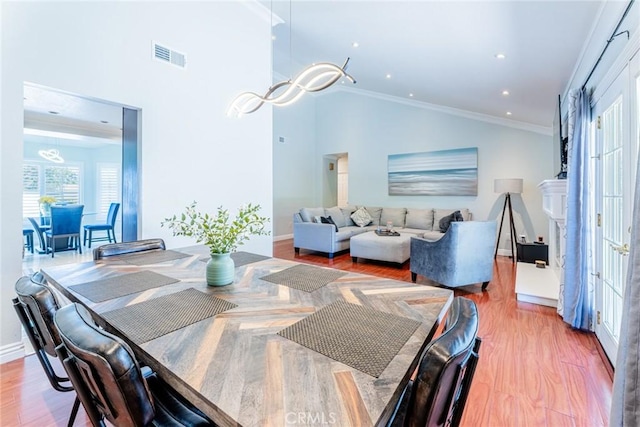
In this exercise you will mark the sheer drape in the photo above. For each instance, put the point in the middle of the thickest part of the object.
(575, 299)
(625, 404)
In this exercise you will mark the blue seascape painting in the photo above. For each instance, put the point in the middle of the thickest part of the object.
(434, 173)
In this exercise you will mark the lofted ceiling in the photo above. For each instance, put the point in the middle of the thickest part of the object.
(444, 52)
(439, 53)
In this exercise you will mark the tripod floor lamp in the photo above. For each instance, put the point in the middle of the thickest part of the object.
(507, 186)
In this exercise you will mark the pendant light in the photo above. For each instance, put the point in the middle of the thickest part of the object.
(313, 78)
(52, 155)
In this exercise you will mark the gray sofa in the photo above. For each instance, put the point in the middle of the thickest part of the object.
(314, 236)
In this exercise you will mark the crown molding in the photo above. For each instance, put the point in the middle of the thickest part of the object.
(448, 110)
(543, 130)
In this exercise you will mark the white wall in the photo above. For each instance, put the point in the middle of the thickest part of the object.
(295, 170)
(369, 129)
(189, 149)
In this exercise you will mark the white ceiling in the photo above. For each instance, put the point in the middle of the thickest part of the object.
(69, 119)
(443, 52)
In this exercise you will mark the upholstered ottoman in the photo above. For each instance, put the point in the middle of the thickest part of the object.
(381, 248)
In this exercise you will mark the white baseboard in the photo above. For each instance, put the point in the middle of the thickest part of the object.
(282, 237)
(11, 352)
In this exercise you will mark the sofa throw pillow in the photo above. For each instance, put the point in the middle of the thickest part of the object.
(361, 217)
(446, 221)
(336, 215)
(307, 214)
(328, 220)
(346, 214)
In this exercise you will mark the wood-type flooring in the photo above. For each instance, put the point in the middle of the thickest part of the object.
(534, 370)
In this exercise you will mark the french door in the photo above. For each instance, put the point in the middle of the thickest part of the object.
(615, 148)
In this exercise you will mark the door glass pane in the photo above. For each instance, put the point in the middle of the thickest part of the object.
(612, 215)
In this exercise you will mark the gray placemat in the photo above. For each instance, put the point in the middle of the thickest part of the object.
(241, 258)
(304, 277)
(153, 257)
(244, 258)
(124, 284)
(151, 319)
(360, 337)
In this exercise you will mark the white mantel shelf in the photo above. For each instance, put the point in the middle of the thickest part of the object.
(554, 198)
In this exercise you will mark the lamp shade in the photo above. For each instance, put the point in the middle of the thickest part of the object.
(507, 185)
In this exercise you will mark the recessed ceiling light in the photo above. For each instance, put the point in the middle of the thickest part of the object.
(505, 92)
(104, 121)
(388, 76)
(355, 44)
(500, 55)
(54, 112)
(411, 95)
(508, 113)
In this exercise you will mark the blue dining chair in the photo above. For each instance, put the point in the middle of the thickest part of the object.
(108, 227)
(65, 224)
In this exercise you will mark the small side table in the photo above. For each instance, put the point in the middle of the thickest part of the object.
(530, 252)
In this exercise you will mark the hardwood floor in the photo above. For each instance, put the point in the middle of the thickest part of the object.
(534, 370)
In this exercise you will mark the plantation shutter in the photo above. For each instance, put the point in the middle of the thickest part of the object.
(30, 190)
(108, 187)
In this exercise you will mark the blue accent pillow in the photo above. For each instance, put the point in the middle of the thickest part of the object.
(328, 220)
(446, 221)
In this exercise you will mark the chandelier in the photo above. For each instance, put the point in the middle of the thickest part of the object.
(314, 78)
(52, 155)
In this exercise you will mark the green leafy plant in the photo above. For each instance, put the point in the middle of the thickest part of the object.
(47, 200)
(217, 231)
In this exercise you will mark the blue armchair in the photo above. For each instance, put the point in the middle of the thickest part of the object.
(463, 256)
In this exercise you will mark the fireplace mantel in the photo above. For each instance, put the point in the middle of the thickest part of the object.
(542, 286)
(554, 198)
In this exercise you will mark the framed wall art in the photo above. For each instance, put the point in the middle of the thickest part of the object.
(434, 173)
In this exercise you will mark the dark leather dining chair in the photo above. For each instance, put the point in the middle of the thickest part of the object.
(36, 305)
(438, 394)
(107, 226)
(109, 381)
(65, 224)
(123, 248)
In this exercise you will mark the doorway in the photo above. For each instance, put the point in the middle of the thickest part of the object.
(80, 150)
(615, 121)
(335, 179)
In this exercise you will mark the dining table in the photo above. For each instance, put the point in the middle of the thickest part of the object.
(287, 343)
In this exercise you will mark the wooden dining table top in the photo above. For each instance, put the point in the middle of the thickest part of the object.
(237, 369)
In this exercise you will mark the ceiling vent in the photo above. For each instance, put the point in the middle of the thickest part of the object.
(170, 56)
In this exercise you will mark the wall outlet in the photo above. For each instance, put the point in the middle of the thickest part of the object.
(282, 139)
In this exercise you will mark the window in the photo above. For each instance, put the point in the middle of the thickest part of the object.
(63, 183)
(108, 186)
(30, 190)
(43, 179)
